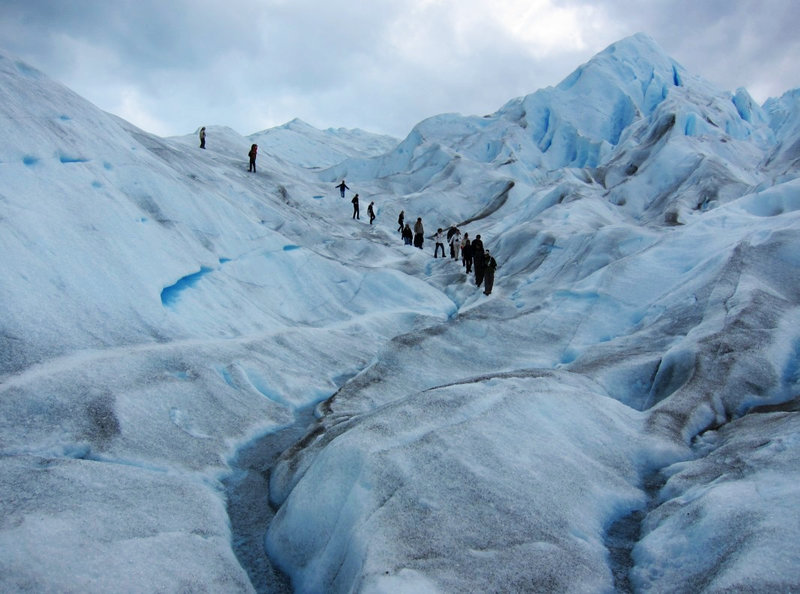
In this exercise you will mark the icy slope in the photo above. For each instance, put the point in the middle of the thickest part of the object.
(161, 307)
(693, 325)
(81, 184)
(645, 134)
(304, 145)
(784, 117)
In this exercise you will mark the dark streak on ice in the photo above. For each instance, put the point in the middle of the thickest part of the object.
(622, 535)
(249, 509)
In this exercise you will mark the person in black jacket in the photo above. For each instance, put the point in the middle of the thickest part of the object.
(356, 214)
(419, 233)
(490, 265)
(342, 187)
(466, 253)
(478, 259)
(454, 239)
(408, 234)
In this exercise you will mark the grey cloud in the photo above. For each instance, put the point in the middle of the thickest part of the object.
(250, 64)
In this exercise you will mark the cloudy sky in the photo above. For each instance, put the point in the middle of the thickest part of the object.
(170, 66)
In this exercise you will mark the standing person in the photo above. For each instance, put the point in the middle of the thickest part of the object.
(252, 154)
(356, 214)
(466, 253)
(342, 187)
(203, 137)
(455, 242)
(450, 230)
(400, 220)
(490, 265)
(408, 234)
(478, 259)
(419, 233)
(371, 212)
(439, 239)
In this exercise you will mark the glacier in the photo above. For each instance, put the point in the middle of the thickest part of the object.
(217, 381)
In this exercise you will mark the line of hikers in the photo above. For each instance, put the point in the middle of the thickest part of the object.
(470, 251)
(356, 212)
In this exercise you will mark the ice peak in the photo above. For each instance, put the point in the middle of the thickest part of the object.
(297, 124)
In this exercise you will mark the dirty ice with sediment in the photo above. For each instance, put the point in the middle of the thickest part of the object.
(214, 380)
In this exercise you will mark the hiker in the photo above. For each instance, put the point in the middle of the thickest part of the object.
(439, 239)
(466, 253)
(400, 220)
(252, 154)
(419, 233)
(355, 207)
(478, 259)
(408, 234)
(342, 187)
(371, 212)
(490, 265)
(203, 137)
(450, 230)
(455, 242)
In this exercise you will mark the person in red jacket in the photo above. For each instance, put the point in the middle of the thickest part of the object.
(252, 154)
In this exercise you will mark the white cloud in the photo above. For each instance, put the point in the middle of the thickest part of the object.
(133, 107)
(542, 25)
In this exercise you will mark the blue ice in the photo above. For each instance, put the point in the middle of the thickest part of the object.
(169, 295)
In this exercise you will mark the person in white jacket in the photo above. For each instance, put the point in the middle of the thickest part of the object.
(439, 239)
(455, 242)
